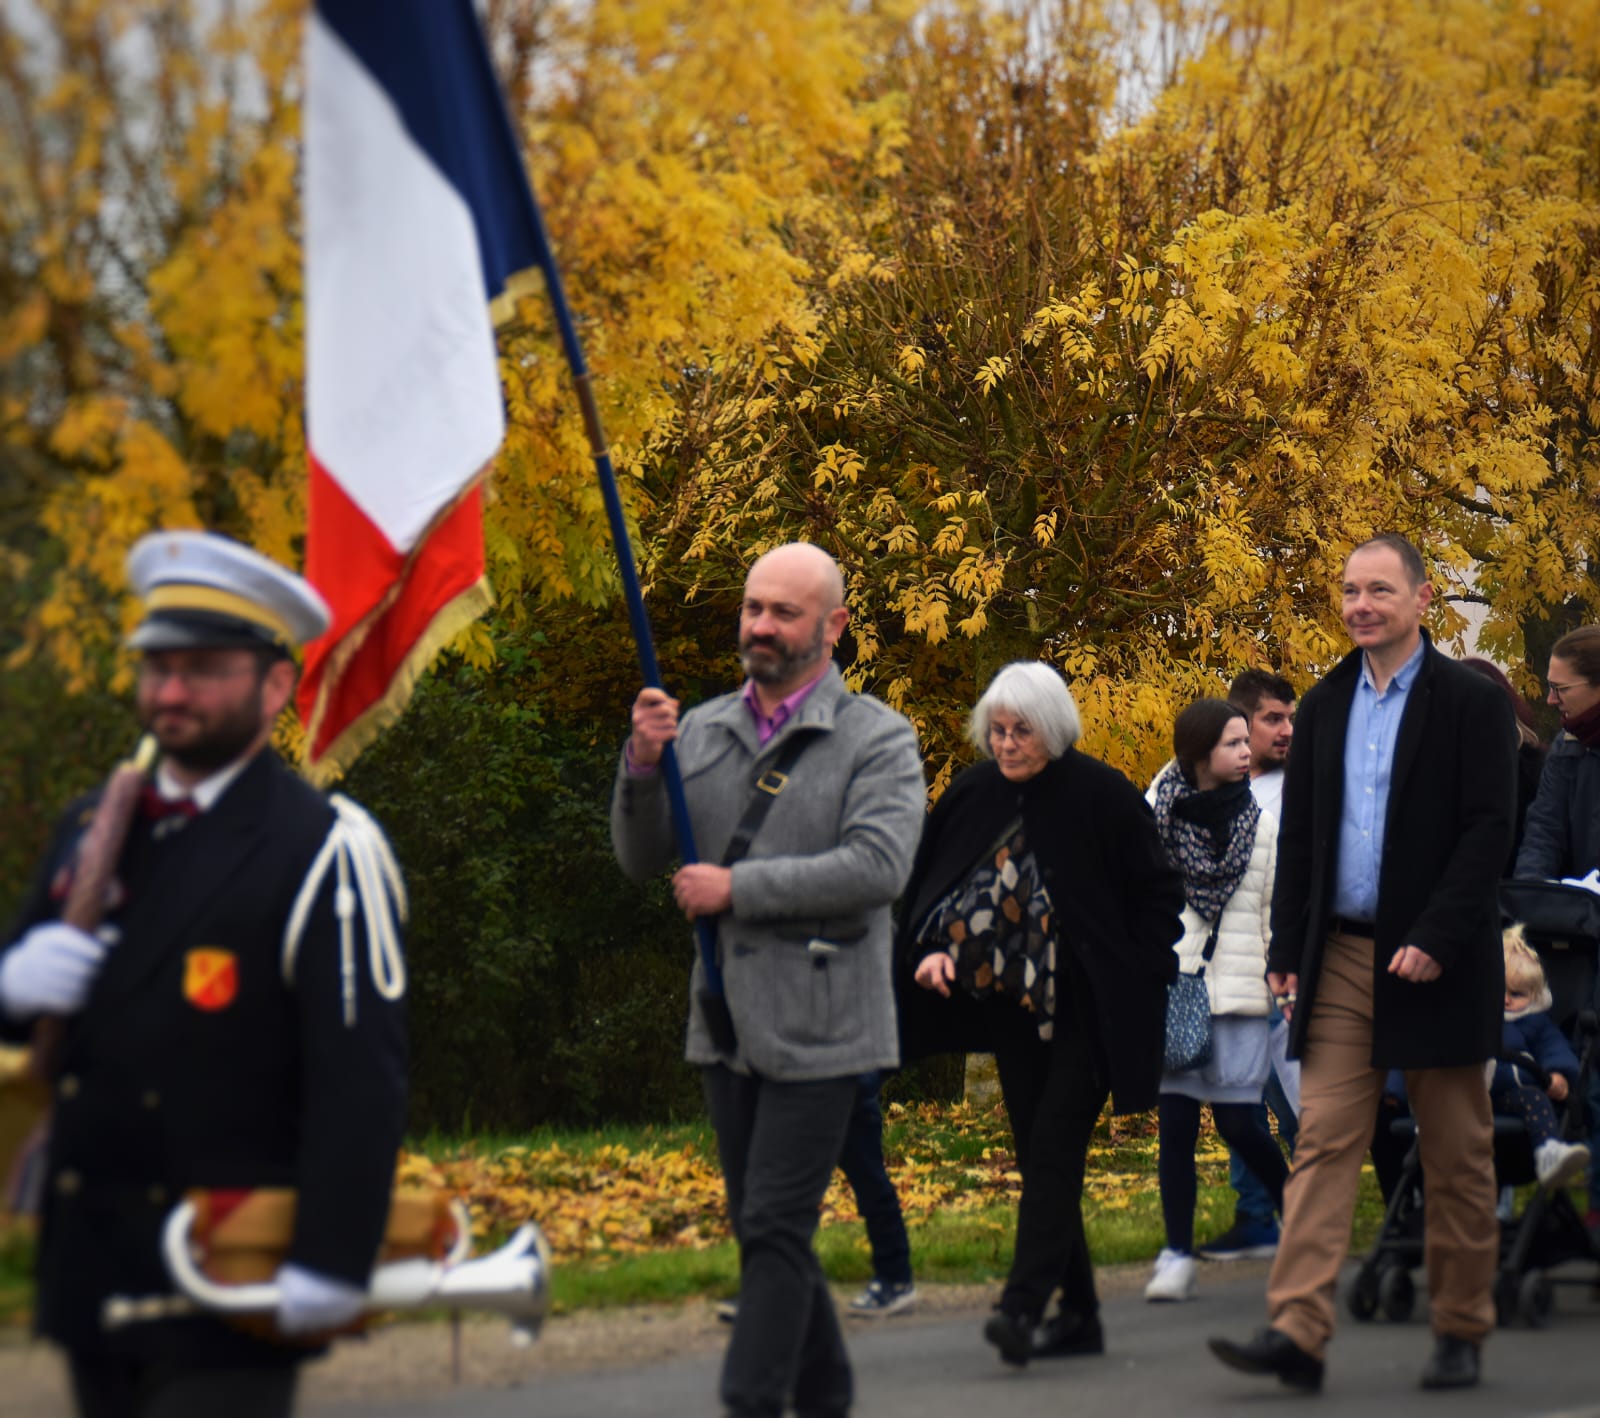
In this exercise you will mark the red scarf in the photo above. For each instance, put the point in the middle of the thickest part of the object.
(1585, 727)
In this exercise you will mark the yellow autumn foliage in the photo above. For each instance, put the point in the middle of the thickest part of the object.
(1084, 329)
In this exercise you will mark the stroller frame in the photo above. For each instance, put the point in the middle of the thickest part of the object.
(1562, 924)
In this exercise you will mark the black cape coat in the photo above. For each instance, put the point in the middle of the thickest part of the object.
(175, 1076)
(1117, 905)
(1449, 827)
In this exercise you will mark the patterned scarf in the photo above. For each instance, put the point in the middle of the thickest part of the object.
(1208, 836)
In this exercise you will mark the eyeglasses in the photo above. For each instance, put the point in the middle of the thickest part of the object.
(1561, 689)
(1019, 735)
(200, 676)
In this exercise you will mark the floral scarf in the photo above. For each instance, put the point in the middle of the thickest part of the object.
(1209, 837)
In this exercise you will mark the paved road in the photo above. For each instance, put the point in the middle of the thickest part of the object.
(1156, 1365)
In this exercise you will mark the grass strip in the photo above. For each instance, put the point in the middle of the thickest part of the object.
(636, 1214)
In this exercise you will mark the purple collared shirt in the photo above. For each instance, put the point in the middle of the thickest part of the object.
(766, 725)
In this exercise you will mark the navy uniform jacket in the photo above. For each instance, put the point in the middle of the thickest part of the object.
(196, 1064)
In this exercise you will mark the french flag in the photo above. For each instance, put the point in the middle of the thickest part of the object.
(418, 217)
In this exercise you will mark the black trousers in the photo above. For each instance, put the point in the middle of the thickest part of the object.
(126, 1388)
(1241, 1126)
(778, 1143)
(1054, 1093)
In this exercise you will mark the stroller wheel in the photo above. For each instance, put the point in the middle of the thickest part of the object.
(1397, 1295)
(1536, 1298)
(1361, 1299)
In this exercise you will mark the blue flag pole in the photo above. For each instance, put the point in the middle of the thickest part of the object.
(712, 1001)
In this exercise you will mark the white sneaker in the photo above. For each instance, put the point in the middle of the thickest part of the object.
(1557, 1163)
(1173, 1278)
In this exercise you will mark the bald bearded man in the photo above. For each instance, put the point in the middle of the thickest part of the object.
(803, 935)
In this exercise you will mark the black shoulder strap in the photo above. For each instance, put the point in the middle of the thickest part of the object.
(767, 787)
(1211, 946)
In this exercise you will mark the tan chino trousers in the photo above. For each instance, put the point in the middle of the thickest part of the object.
(1339, 1093)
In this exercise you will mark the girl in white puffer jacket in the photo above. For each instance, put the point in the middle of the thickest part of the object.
(1226, 847)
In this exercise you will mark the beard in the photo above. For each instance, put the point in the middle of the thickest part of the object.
(202, 747)
(781, 662)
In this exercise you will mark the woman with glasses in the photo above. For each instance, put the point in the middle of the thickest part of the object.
(1075, 844)
(1561, 836)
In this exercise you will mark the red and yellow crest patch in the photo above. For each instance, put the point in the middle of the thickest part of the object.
(210, 978)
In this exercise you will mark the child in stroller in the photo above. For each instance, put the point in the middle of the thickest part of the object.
(1539, 1069)
(1516, 1090)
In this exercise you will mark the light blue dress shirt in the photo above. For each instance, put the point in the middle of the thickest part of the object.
(1369, 742)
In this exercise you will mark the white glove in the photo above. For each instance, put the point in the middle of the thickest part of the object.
(1589, 883)
(49, 971)
(309, 1303)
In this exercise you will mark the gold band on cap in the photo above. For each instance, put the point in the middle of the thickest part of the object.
(188, 596)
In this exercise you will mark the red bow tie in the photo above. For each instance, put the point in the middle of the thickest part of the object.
(155, 807)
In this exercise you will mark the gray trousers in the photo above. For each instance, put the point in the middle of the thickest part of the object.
(778, 1144)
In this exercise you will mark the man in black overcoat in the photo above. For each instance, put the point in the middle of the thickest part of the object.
(1398, 812)
(214, 1035)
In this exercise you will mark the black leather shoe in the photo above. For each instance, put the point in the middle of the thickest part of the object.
(1453, 1364)
(1064, 1336)
(1271, 1352)
(1012, 1335)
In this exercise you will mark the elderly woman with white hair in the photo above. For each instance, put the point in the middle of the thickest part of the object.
(1039, 922)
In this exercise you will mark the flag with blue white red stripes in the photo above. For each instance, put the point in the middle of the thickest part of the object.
(418, 219)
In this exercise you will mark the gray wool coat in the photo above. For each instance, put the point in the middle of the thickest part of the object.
(805, 949)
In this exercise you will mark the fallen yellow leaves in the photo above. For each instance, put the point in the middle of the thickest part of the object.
(609, 1200)
(615, 1200)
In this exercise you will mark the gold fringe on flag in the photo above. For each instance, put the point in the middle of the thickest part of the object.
(452, 618)
(448, 621)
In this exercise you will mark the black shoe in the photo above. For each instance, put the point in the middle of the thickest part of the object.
(1063, 1336)
(1271, 1352)
(1453, 1363)
(1012, 1335)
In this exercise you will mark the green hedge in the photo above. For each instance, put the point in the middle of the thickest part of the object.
(545, 988)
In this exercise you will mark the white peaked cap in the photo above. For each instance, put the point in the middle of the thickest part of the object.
(201, 590)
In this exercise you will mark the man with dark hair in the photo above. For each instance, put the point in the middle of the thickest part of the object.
(1397, 817)
(236, 1018)
(1268, 702)
(1250, 687)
